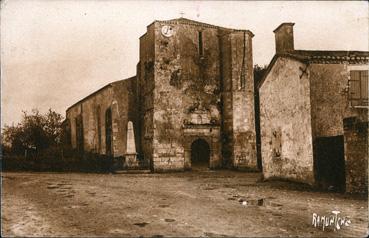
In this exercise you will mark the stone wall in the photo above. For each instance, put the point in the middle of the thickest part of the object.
(329, 98)
(329, 106)
(356, 155)
(227, 98)
(244, 147)
(145, 91)
(124, 109)
(238, 122)
(120, 98)
(186, 86)
(285, 122)
(88, 110)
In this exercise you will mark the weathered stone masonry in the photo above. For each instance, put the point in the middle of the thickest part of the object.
(196, 74)
(285, 123)
(305, 97)
(356, 154)
(194, 81)
(117, 99)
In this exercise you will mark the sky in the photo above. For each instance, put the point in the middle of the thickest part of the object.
(55, 52)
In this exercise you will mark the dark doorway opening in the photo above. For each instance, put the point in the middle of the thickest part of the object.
(329, 163)
(108, 131)
(200, 154)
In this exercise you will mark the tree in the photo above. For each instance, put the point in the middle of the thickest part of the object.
(259, 72)
(53, 126)
(12, 139)
(35, 131)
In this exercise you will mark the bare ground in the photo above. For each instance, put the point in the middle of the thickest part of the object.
(206, 203)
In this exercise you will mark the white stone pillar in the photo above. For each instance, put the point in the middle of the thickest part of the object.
(131, 154)
(131, 146)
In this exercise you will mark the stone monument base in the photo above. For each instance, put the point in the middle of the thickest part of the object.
(131, 161)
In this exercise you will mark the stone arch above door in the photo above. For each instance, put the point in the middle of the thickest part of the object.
(208, 133)
(200, 154)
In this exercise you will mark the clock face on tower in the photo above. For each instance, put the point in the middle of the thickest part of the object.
(167, 31)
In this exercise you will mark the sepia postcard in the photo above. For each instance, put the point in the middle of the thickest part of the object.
(184, 118)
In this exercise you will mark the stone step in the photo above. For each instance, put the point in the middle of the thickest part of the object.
(133, 171)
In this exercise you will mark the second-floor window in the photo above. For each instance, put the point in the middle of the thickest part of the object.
(358, 88)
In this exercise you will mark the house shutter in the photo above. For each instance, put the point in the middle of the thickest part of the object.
(354, 88)
(364, 87)
(358, 88)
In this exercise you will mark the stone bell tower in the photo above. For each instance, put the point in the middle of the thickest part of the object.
(197, 94)
(238, 122)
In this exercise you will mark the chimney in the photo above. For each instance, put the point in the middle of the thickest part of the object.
(284, 38)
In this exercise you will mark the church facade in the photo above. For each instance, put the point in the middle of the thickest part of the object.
(190, 104)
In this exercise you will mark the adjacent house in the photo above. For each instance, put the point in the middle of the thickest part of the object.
(314, 115)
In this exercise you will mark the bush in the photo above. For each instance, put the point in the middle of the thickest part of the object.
(36, 132)
(58, 160)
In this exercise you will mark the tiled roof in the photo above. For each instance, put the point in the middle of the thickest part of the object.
(333, 57)
(99, 90)
(320, 57)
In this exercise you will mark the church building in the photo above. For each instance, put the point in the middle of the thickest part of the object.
(190, 104)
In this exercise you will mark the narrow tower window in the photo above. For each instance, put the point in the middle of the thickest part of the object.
(108, 131)
(98, 122)
(201, 49)
(243, 67)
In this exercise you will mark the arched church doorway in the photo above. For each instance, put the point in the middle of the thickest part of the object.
(200, 154)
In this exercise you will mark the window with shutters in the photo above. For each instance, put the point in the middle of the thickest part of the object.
(358, 88)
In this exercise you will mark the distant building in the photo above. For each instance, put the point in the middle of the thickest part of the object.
(314, 115)
(192, 102)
